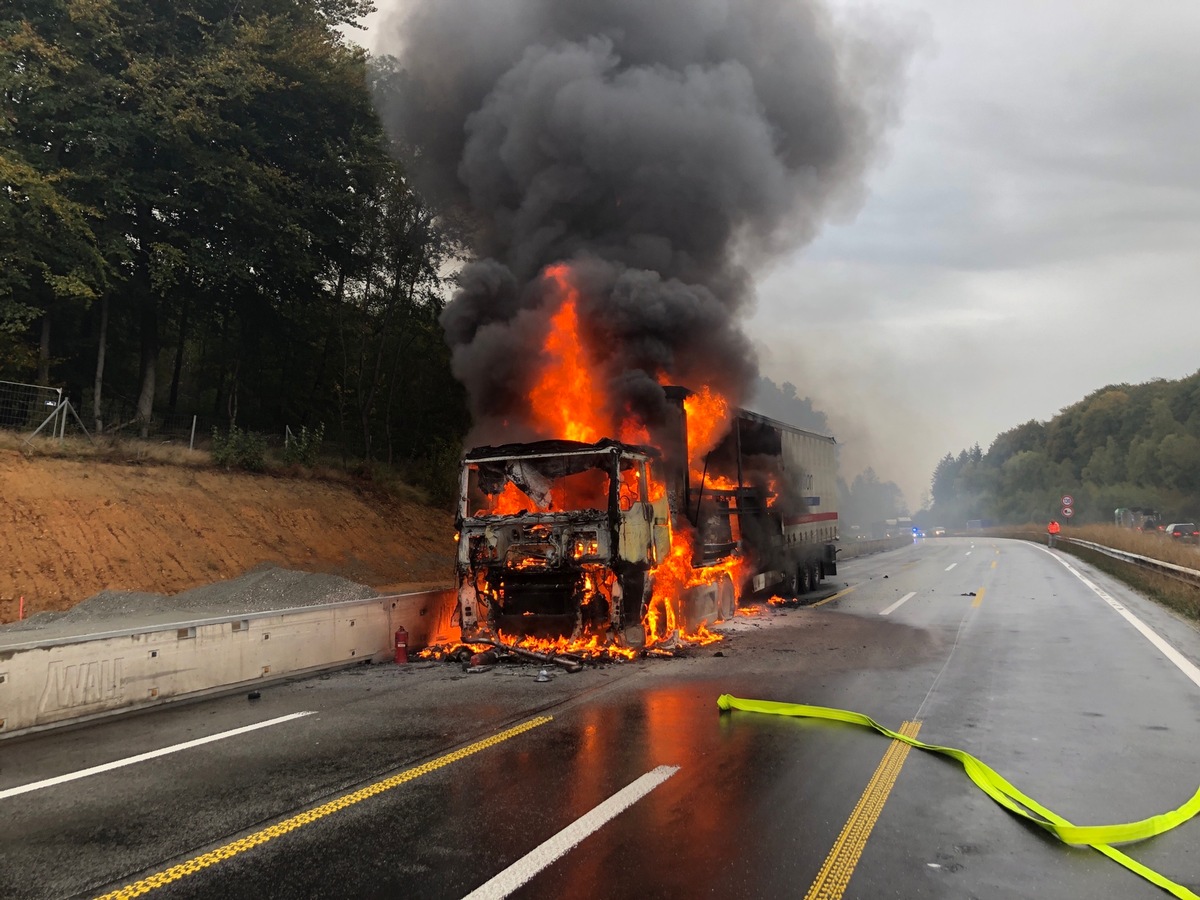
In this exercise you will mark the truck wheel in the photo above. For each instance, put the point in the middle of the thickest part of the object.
(803, 580)
(814, 575)
(633, 636)
(791, 585)
(726, 599)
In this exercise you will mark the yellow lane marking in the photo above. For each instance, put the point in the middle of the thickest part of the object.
(834, 876)
(835, 596)
(196, 864)
(993, 563)
(978, 597)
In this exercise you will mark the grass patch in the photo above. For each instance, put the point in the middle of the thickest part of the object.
(1152, 544)
(384, 481)
(1181, 597)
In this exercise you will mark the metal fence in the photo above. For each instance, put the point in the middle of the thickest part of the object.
(1171, 570)
(25, 407)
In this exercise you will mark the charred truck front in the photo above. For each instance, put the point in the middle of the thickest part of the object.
(557, 538)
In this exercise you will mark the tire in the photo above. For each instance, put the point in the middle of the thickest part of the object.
(803, 579)
(726, 599)
(814, 575)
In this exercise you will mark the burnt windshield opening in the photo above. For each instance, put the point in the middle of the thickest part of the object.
(539, 485)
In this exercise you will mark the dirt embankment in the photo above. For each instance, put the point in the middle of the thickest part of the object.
(70, 529)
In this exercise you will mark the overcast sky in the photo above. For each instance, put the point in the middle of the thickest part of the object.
(1031, 234)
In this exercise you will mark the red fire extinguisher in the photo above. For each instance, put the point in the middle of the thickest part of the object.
(401, 646)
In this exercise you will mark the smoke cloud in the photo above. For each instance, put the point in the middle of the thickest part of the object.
(662, 149)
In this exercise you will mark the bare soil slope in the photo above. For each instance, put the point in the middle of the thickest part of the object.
(70, 529)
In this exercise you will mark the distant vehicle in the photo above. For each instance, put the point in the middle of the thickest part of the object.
(1137, 517)
(939, 531)
(1184, 532)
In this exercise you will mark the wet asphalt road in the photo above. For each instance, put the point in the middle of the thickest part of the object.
(1035, 674)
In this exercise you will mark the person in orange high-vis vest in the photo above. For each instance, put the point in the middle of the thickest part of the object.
(1052, 531)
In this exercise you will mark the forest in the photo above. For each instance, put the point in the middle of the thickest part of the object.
(201, 215)
(1121, 446)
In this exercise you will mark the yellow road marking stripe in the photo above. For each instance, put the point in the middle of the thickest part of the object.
(993, 563)
(836, 596)
(834, 876)
(979, 597)
(175, 873)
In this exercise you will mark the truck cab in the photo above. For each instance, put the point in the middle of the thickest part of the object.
(557, 537)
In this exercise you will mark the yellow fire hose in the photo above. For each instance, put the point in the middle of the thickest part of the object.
(1098, 837)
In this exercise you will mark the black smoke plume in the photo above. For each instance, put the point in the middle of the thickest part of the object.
(661, 148)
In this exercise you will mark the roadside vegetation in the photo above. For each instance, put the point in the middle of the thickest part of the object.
(403, 481)
(1121, 446)
(202, 215)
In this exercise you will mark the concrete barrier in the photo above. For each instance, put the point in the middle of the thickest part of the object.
(851, 549)
(71, 678)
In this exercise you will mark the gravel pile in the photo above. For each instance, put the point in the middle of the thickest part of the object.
(260, 590)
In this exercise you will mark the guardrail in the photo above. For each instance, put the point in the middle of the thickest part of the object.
(69, 678)
(1171, 570)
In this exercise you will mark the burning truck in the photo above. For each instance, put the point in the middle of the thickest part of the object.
(625, 545)
(622, 170)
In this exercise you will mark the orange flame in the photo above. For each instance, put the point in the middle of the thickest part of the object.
(510, 501)
(564, 401)
(708, 420)
(589, 647)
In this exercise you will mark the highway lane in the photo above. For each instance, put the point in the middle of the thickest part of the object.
(1035, 674)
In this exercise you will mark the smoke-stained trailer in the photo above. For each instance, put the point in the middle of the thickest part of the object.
(768, 490)
(616, 543)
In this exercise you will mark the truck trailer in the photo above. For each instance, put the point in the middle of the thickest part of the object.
(607, 540)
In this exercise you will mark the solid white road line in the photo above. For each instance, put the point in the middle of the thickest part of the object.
(142, 757)
(1181, 662)
(896, 605)
(533, 862)
(951, 566)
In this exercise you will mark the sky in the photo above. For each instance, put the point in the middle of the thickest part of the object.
(1029, 233)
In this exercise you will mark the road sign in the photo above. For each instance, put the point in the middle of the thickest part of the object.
(1067, 500)
(1068, 512)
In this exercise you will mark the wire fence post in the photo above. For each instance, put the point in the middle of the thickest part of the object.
(192, 442)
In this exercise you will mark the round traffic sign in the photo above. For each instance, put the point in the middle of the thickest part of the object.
(1067, 500)
(1068, 512)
